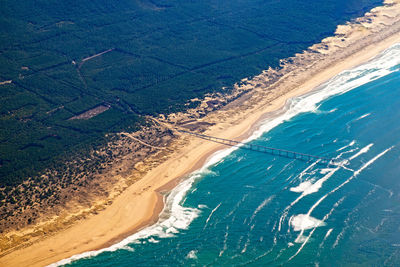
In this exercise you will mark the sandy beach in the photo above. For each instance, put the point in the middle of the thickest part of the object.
(141, 203)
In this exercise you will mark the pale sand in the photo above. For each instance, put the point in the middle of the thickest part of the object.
(140, 204)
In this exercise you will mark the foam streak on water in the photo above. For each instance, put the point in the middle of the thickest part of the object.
(362, 151)
(212, 212)
(262, 205)
(176, 217)
(319, 223)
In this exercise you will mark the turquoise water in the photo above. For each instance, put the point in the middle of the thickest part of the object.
(248, 208)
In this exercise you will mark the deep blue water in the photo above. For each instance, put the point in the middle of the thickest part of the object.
(258, 209)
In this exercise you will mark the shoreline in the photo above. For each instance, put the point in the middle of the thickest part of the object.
(140, 204)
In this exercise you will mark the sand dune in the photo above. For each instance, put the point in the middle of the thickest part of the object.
(140, 204)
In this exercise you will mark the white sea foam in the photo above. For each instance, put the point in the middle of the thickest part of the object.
(363, 116)
(378, 67)
(302, 239)
(346, 146)
(325, 170)
(305, 188)
(324, 111)
(245, 246)
(316, 204)
(345, 81)
(152, 240)
(304, 184)
(225, 247)
(338, 238)
(128, 248)
(309, 187)
(302, 187)
(328, 233)
(362, 151)
(178, 217)
(304, 221)
(261, 206)
(305, 171)
(342, 83)
(237, 206)
(355, 174)
(212, 212)
(192, 254)
(174, 218)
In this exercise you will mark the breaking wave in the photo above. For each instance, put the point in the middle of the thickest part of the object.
(175, 217)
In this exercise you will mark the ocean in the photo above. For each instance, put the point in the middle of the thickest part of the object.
(249, 208)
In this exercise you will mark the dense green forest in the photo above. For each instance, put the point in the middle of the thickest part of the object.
(155, 56)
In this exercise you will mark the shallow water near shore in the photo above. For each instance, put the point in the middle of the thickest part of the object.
(248, 208)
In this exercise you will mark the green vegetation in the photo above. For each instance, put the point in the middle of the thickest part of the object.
(161, 53)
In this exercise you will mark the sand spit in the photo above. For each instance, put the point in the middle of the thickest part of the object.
(140, 204)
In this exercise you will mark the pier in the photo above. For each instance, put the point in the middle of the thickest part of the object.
(265, 149)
